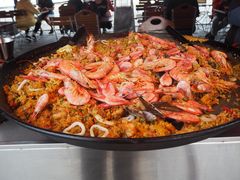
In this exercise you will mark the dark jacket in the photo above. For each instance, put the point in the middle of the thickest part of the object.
(78, 4)
(45, 3)
(234, 4)
(100, 9)
(171, 4)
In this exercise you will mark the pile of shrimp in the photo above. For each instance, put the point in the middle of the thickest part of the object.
(84, 90)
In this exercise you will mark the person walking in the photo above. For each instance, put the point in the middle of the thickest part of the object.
(233, 35)
(24, 22)
(46, 7)
(220, 17)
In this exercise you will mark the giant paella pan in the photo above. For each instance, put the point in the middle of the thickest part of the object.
(137, 92)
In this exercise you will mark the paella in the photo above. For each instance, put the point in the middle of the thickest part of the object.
(131, 87)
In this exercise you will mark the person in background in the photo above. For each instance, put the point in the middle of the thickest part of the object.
(78, 4)
(102, 8)
(171, 4)
(216, 4)
(110, 5)
(46, 7)
(220, 18)
(26, 21)
(233, 36)
(234, 15)
(15, 4)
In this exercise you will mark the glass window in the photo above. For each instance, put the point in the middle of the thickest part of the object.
(6, 4)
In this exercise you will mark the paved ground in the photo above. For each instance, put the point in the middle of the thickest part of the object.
(21, 45)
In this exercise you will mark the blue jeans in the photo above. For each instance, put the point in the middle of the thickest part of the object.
(234, 17)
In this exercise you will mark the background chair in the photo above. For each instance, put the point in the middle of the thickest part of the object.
(6, 16)
(10, 18)
(89, 20)
(153, 9)
(62, 22)
(67, 10)
(149, 8)
(184, 18)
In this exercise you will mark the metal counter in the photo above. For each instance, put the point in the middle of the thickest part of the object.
(27, 155)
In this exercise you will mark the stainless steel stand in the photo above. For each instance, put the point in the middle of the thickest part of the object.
(26, 155)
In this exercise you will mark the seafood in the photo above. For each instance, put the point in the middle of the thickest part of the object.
(221, 58)
(41, 104)
(73, 125)
(74, 73)
(34, 78)
(101, 120)
(166, 79)
(126, 90)
(159, 65)
(107, 94)
(25, 81)
(136, 55)
(184, 86)
(125, 66)
(100, 128)
(49, 75)
(74, 93)
(182, 116)
(102, 70)
(132, 87)
(181, 71)
(188, 107)
(142, 75)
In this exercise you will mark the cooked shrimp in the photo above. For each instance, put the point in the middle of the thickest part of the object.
(203, 50)
(188, 106)
(181, 71)
(182, 116)
(125, 66)
(126, 90)
(173, 51)
(221, 58)
(159, 65)
(110, 100)
(142, 75)
(41, 104)
(74, 73)
(137, 54)
(164, 64)
(106, 89)
(184, 86)
(166, 79)
(138, 62)
(115, 70)
(102, 70)
(49, 75)
(75, 94)
(150, 96)
(90, 44)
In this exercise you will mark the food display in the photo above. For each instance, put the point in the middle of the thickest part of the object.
(195, 39)
(137, 86)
